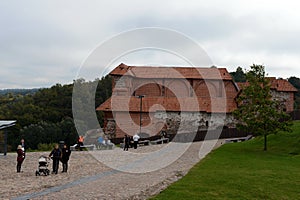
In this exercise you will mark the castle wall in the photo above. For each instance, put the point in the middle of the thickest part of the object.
(286, 99)
(172, 122)
(175, 121)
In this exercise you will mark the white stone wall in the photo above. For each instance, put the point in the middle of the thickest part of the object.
(282, 97)
(182, 122)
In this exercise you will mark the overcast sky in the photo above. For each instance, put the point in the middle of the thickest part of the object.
(45, 42)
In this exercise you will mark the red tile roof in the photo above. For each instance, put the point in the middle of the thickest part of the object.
(280, 85)
(132, 104)
(171, 72)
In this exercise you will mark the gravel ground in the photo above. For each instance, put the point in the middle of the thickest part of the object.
(89, 178)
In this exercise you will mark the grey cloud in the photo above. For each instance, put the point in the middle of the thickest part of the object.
(56, 36)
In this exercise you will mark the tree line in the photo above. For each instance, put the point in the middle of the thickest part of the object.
(45, 115)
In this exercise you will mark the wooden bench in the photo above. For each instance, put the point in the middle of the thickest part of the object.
(141, 142)
(240, 139)
(90, 147)
(102, 146)
(160, 141)
(144, 142)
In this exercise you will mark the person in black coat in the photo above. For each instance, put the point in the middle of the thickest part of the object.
(130, 142)
(20, 158)
(56, 153)
(126, 142)
(65, 156)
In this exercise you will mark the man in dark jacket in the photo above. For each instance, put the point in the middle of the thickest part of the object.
(56, 153)
(66, 152)
(126, 142)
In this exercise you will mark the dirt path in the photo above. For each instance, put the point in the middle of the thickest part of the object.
(88, 178)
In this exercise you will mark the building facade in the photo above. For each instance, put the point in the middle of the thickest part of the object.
(147, 100)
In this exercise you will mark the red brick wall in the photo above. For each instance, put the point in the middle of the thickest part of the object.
(231, 91)
(151, 89)
(290, 103)
(182, 88)
(177, 88)
(207, 88)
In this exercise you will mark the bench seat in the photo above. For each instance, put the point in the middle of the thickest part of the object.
(90, 147)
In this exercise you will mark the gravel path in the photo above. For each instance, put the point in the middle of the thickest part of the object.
(88, 178)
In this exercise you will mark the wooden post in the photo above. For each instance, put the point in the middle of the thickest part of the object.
(5, 142)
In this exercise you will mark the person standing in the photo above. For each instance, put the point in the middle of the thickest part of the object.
(100, 140)
(65, 155)
(136, 138)
(22, 143)
(56, 153)
(80, 142)
(126, 142)
(20, 158)
(163, 134)
(130, 141)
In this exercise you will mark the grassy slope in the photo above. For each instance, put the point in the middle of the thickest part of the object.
(245, 171)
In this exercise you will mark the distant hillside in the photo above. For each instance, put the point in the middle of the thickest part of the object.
(19, 91)
(45, 116)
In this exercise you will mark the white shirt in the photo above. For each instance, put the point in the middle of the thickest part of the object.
(136, 137)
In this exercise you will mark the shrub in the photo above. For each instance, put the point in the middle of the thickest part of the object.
(45, 147)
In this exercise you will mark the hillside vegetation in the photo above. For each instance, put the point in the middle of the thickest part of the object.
(45, 116)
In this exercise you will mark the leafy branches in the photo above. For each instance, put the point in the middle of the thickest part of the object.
(258, 113)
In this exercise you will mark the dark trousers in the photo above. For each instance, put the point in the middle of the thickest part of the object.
(55, 165)
(65, 166)
(19, 164)
(135, 144)
(126, 146)
(79, 145)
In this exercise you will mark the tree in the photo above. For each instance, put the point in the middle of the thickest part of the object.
(257, 112)
(296, 83)
(239, 75)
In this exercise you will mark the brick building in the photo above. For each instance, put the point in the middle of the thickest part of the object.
(175, 99)
(282, 91)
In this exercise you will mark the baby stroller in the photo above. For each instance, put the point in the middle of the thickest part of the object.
(43, 166)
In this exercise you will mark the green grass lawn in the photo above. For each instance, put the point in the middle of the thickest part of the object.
(244, 171)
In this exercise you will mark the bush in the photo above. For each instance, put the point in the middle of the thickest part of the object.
(45, 147)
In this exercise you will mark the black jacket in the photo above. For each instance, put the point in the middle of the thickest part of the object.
(56, 153)
(65, 154)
